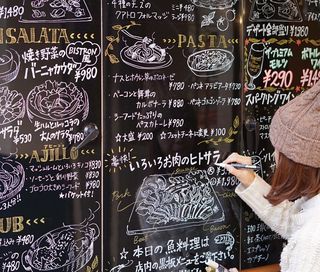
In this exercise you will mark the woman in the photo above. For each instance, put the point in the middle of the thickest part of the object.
(291, 205)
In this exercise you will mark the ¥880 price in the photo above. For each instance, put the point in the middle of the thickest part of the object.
(281, 79)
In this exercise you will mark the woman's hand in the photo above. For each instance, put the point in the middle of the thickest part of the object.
(245, 176)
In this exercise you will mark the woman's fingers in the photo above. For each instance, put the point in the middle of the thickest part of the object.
(235, 157)
(231, 169)
(245, 176)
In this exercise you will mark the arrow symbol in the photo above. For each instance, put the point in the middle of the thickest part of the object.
(92, 151)
(28, 222)
(72, 36)
(78, 35)
(42, 220)
(35, 221)
(92, 36)
(88, 151)
(85, 36)
(82, 152)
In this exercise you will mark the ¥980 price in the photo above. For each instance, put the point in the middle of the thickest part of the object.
(281, 79)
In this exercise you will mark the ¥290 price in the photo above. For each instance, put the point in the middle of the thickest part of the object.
(281, 79)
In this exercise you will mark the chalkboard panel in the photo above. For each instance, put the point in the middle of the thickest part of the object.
(113, 115)
(173, 109)
(280, 47)
(50, 196)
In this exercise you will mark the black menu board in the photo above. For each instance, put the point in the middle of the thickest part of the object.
(50, 178)
(281, 60)
(113, 115)
(172, 110)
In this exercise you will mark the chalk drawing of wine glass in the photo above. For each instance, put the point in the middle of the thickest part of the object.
(255, 63)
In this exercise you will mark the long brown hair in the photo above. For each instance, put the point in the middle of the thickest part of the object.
(292, 180)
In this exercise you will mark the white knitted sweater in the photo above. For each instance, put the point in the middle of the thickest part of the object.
(298, 222)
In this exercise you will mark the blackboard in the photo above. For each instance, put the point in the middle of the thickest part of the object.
(173, 109)
(50, 185)
(280, 48)
(113, 115)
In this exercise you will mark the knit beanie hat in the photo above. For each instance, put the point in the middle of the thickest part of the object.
(295, 128)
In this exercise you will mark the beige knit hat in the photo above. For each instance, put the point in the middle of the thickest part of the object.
(295, 128)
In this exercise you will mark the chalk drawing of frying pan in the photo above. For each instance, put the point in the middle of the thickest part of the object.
(65, 249)
(12, 178)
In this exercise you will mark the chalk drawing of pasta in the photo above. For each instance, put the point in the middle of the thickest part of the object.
(145, 54)
(12, 178)
(167, 202)
(55, 11)
(275, 10)
(214, 4)
(65, 249)
(210, 62)
(56, 101)
(12, 105)
(9, 65)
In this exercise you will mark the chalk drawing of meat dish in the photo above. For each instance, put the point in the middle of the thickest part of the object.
(55, 11)
(66, 249)
(12, 178)
(167, 202)
(210, 62)
(9, 65)
(12, 105)
(214, 4)
(145, 54)
(56, 101)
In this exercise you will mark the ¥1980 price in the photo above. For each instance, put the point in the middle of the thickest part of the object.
(281, 79)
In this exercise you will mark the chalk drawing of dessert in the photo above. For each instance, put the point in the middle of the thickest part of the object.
(9, 65)
(12, 177)
(57, 101)
(12, 105)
